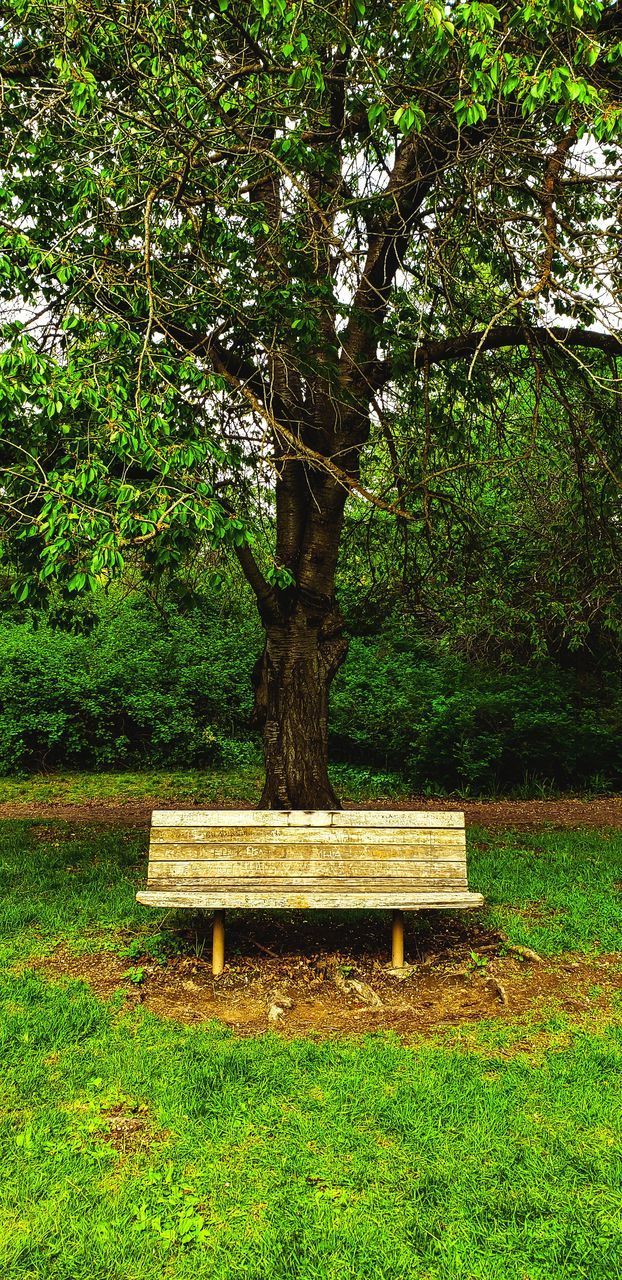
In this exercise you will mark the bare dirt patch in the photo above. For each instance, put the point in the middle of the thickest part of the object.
(126, 1132)
(463, 975)
(522, 815)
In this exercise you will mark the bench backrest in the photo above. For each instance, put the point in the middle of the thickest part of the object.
(299, 858)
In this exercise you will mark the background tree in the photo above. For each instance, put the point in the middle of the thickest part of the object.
(511, 554)
(249, 245)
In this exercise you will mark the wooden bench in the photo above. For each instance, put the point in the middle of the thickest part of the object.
(297, 858)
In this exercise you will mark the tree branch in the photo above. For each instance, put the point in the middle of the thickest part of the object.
(504, 335)
(265, 595)
(405, 192)
(223, 359)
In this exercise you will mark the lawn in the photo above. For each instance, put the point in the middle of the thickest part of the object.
(194, 786)
(135, 1147)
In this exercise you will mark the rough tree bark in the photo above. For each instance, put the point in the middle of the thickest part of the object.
(304, 641)
(292, 683)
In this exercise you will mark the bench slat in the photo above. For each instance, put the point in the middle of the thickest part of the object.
(330, 837)
(396, 818)
(215, 869)
(334, 818)
(322, 854)
(310, 884)
(215, 900)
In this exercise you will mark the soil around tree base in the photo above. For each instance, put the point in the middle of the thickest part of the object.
(460, 973)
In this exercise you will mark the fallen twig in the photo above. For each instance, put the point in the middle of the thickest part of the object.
(275, 954)
(524, 953)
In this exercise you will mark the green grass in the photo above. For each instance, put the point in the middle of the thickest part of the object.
(68, 883)
(553, 891)
(230, 785)
(225, 785)
(197, 786)
(462, 1157)
(209, 786)
(317, 1161)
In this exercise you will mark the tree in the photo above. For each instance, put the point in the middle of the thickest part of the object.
(512, 553)
(238, 235)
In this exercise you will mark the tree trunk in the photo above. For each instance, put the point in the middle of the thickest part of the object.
(292, 682)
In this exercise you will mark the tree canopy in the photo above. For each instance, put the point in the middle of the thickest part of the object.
(252, 251)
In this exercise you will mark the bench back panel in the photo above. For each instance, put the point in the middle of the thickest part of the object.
(307, 858)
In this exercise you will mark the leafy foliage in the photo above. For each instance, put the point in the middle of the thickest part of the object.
(147, 686)
(258, 259)
(140, 687)
(446, 723)
(515, 541)
(203, 215)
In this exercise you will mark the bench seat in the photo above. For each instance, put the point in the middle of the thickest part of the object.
(400, 860)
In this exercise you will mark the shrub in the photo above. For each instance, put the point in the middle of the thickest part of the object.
(448, 724)
(141, 687)
(151, 686)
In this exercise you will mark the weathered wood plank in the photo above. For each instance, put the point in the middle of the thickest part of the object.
(324, 855)
(353, 879)
(210, 900)
(215, 868)
(329, 837)
(302, 818)
(310, 884)
(234, 818)
(396, 818)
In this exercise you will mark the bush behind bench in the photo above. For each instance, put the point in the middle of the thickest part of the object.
(149, 687)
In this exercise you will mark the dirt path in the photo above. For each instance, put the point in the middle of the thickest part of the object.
(523, 815)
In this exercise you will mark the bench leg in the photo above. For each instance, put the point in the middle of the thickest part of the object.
(397, 948)
(218, 943)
